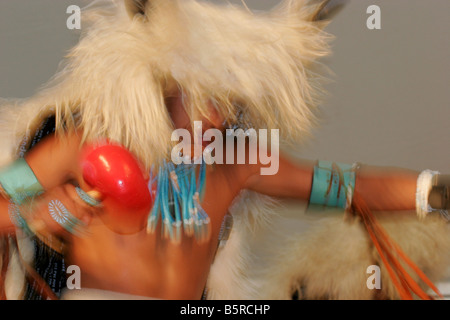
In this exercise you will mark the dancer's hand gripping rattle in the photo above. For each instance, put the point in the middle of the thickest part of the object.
(119, 183)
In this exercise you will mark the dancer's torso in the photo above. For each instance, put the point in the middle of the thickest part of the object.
(148, 265)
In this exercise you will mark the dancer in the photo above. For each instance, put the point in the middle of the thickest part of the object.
(146, 68)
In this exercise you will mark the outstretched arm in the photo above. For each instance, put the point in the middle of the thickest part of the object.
(382, 188)
(293, 179)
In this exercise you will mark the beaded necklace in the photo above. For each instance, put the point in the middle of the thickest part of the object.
(178, 197)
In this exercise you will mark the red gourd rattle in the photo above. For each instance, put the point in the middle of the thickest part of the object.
(117, 180)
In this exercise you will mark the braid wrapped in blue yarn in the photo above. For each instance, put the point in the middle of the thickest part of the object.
(178, 201)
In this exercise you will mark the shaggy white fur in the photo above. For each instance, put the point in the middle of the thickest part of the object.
(327, 259)
(259, 65)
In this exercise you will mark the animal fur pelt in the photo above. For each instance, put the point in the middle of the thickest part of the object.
(318, 255)
(260, 66)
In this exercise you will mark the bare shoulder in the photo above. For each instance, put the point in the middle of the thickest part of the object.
(54, 160)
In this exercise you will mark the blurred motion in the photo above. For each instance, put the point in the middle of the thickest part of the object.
(138, 226)
(117, 180)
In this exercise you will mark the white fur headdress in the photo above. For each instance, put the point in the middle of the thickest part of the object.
(258, 65)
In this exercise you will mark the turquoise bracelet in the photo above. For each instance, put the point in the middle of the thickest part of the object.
(19, 182)
(332, 183)
(87, 198)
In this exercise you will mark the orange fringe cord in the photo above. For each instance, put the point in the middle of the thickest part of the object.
(392, 256)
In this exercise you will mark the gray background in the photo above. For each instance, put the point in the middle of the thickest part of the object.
(388, 103)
